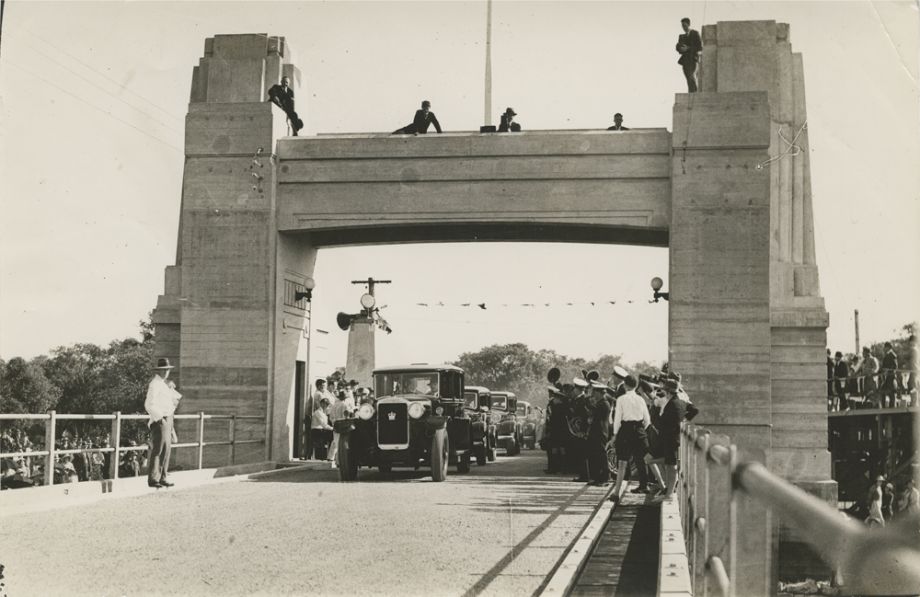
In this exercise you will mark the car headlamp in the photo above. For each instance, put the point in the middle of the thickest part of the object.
(365, 411)
(416, 410)
(439, 410)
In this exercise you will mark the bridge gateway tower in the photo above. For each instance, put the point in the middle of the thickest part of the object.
(728, 192)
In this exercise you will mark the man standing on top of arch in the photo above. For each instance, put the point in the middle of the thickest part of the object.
(689, 46)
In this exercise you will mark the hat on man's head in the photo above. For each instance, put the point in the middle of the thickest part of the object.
(598, 385)
(163, 363)
(579, 382)
(619, 372)
(511, 111)
(554, 391)
(363, 391)
(353, 382)
(671, 384)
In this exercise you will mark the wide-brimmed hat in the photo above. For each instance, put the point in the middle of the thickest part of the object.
(163, 363)
(510, 111)
(553, 390)
(620, 372)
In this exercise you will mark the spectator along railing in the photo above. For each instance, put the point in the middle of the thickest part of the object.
(903, 384)
(51, 451)
(730, 505)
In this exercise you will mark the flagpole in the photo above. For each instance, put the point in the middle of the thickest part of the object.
(488, 90)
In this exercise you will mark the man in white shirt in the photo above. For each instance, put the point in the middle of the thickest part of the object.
(162, 400)
(630, 418)
(342, 409)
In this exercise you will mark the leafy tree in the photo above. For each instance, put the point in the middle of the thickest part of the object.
(24, 388)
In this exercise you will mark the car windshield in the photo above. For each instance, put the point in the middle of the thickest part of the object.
(499, 402)
(470, 399)
(392, 384)
(521, 409)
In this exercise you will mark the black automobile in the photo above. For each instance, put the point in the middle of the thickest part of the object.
(508, 433)
(417, 420)
(478, 405)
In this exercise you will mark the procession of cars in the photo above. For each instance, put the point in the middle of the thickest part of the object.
(426, 417)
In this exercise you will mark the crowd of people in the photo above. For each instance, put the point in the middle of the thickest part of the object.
(596, 429)
(867, 382)
(887, 501)
(331, 401)
(88, 464)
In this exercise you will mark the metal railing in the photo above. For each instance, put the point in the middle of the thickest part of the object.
(870, 388)
(51, 451)
(730, 507)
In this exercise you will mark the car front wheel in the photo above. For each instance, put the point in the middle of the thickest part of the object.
(439, 455)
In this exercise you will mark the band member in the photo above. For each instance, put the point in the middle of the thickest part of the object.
(598, 435)
(553, 433)
(578, 429)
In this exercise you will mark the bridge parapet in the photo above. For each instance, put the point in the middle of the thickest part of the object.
(618, 180)
(730, 506)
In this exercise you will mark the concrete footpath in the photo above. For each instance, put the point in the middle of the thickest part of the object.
(65, 495)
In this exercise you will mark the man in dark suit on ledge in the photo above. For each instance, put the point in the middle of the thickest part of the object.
(423, 119)
(689, 46)
(283, 96)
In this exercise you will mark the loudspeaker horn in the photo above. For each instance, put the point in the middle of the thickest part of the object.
(553, 375)
(344, 320)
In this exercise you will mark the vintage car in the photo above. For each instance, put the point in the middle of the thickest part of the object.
(478, 404)
(417, 420)
(508, 433)
(527, 424)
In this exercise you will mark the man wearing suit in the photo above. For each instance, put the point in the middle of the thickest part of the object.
(283, 96)
(423, 119)
(889, 377)
(841, 372)
(507, 124)
(689, 46)
(617, 123)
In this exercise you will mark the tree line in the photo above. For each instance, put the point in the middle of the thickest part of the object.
(81, 378)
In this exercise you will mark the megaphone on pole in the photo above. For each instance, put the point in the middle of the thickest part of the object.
(344, 320)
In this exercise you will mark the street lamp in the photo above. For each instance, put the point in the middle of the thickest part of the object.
(309, 284)
(657, 283)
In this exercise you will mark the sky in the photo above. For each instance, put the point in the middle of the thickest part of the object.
(93, 97)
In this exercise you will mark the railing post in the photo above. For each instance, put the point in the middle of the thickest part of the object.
(232, 439)
(116, 443)
(753, 536)
(50, 428)
(718, 520)
(200, 440)
(700, 520)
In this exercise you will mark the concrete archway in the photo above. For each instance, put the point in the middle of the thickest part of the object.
(747, 322)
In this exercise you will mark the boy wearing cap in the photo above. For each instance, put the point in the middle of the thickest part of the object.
(161, 402)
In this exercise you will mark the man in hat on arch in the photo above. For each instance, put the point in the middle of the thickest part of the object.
(508, 125)
(162, 400)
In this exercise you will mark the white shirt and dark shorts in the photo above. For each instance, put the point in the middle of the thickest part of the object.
(630, 419)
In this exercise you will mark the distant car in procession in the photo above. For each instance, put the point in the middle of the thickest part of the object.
(478, 404)
(527, 425)
(418, 420)
(508, 433)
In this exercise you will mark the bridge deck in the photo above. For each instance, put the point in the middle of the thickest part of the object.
(625, 559)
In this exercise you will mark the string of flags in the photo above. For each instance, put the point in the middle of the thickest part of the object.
(487, 305)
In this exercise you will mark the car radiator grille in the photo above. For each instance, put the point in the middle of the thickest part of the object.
(393, 423)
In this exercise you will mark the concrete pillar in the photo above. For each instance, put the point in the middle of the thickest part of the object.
(359, 363)
(224, 316)
(719, 313)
